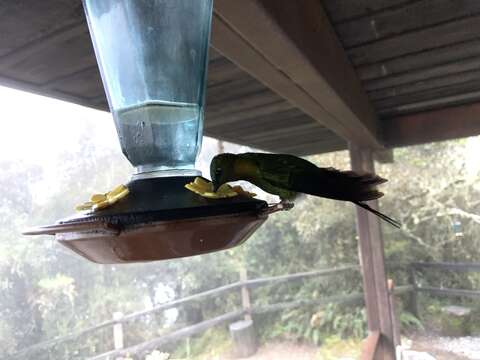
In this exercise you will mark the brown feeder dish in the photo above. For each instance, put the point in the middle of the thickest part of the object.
(154, 71)
(158, 220)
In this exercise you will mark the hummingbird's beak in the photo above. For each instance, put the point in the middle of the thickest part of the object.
(216, 185)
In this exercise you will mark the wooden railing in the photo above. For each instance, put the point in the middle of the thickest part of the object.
(412, 289)
(441, 291)
(355, 298)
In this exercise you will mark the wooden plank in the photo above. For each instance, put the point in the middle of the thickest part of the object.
(428, 84)
(100, 103)
(438, 125)
(241, 104)
(28, 22)
(252, 283)
(222, 71)
(403, 289)
(428, 105)
(458, 267)
(67, 44)
(474, 294)
(213, 54)
(369, 348)
(393, 312)
(287, 131)
(318, 147)
(423, 74)
(455, 53)
(86, 82)
(296, 139)
(412, 303)
(421, 40)
(245, 293)
(265, 122)
(233, 90)
(222, 116)
(282, 43)
(433, 94)
(342, 10)
(321, 146)
(373, 263)
(412, 16)
(118, 342)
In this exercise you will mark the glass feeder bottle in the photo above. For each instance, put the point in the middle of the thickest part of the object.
(153, 57)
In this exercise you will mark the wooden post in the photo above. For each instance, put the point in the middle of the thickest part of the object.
(393, 313)
(220, 147)
(118, 332)
(372, 263)
(413, 301)
(189, 350)
(370, 346)
(243, 338)
(245, 295)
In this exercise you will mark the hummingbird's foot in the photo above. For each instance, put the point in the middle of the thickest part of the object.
(285, 205)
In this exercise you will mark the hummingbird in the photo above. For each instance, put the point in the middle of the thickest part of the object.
(287, 176)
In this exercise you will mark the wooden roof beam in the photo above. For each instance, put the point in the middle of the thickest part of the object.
(430, 126)
(291, 47)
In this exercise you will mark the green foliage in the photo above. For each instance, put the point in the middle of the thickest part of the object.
(306, 325)
(335, 347)
(408, 321)
(346, 322)
(210, 345)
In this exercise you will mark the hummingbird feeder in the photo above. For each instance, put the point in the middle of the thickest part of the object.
(153, 58)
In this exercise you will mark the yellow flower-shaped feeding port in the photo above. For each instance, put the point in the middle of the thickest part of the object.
(204, 188)
(102, 201)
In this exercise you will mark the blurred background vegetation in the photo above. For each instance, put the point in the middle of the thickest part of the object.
(47, 291)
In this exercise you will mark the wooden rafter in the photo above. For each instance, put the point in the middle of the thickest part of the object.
(437, 125)
(291, 47)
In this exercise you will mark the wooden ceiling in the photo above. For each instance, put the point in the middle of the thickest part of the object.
(299, 77)
(412, 56)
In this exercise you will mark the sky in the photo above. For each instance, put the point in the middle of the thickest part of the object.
(34, 126)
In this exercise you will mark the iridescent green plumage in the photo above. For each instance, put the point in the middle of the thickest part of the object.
(287, 175)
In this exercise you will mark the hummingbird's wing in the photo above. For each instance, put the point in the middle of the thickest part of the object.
(279, 169)
(299, 175)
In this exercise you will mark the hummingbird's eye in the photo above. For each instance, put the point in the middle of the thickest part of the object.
(218, 172)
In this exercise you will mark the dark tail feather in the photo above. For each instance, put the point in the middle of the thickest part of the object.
(379, 214)
(366, 179)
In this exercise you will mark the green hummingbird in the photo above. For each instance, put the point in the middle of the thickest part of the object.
(287, 176)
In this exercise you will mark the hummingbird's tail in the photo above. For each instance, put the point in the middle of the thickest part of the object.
(379, 214)
(359, 188)
(341, 185)
(365, 190)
